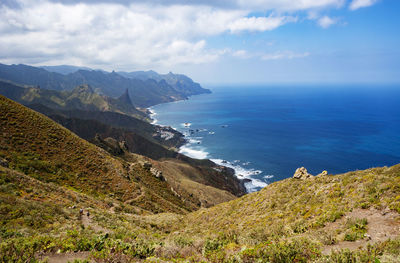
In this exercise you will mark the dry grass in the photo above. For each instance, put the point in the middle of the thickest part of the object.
(51, 170)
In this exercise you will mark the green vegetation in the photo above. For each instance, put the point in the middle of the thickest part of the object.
(49, 174)
(356, 229)
(42, 149)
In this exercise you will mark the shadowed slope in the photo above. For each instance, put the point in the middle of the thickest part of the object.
(80, 98)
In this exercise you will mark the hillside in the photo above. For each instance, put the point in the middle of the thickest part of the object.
(112, 120)
(42, 149)
(47, 174)
(80, 98)
(304, 220)
(144, 93)
(96, 117)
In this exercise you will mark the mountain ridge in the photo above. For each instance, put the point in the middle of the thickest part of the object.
(82, 97)
(144, 93)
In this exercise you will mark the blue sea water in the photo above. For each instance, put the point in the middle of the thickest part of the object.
(265, 133)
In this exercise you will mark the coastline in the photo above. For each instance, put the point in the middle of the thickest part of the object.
(194, 149)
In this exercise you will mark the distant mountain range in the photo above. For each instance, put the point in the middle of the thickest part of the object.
(81, 97)
(144, 91)
(64, 69)
(179, 82)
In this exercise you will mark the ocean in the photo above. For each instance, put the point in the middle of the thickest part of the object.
(265, 133)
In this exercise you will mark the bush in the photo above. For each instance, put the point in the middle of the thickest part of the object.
(356, 229)
(300, 250)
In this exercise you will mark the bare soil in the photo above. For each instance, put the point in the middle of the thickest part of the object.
(382, 225)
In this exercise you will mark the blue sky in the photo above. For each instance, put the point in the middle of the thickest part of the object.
(216, 42)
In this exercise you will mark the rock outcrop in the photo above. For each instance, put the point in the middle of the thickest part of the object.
(301, 173)
(323, 173)
(157, 173)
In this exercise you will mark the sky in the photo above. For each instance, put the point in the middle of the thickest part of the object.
(212, 41)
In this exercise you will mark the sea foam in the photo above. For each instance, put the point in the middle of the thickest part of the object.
(193, 149)
(253, 184)
(198, 153)
(152, 115)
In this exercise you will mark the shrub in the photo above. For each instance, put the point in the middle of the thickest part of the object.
(356, 229)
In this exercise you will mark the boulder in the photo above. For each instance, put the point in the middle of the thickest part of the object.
(301, 173)
(324, 173)
(158, 174)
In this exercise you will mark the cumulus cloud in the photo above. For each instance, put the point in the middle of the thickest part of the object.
(356, 4)
(326, 21)
(138, 33)
(255, 5)
(259, 23)
(104, 34)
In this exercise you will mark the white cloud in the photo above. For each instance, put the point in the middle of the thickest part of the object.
(284, 55)
(253, 5)
(241, 54)
(259, 23)
(110, 34)
(103, 34)
(356, 4)
(326, 21)
(138, 34)
(289, 5)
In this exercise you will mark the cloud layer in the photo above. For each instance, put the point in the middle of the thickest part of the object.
(141, 34)
(356, 4)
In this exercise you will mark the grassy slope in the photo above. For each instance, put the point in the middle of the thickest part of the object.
(285, 222)
(39, 147)
(53, 173)
(288, 220)
(305, 204)
(193, 180)
(38, 219)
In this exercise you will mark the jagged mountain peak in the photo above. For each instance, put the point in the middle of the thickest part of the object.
(85, 88)
(125, 98)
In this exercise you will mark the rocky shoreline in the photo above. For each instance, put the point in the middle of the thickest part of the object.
(174, 139)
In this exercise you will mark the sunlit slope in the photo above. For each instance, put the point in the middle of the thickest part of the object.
(41, 148)
(303, 205)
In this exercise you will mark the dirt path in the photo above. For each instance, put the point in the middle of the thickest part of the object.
(382, 225)
(87, 221)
